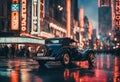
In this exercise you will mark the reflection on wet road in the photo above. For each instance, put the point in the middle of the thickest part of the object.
(107, 69)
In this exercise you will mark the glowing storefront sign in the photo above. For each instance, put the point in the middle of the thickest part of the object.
(47, 35)
(52, 25)
(20, 40)
(23, 15)
(35, 28)
(117, 17)
(15, 15)
(15, 20)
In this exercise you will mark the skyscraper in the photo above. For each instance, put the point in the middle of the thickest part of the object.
(105, 16)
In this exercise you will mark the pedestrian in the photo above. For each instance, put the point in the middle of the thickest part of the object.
(12, 51)
(27, 52)
(6, 51)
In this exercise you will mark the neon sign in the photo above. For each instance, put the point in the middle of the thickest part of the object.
(23, 15)
(35, 28)
(15, 15)
(117, 17)
(81, 19)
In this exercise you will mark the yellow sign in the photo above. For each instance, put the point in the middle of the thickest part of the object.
(15, 21)
(15, 1)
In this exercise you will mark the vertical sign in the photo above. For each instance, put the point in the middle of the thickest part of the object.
(23, 16)
(35, 26)
(15, 15)
(113, 13)
(117, 17)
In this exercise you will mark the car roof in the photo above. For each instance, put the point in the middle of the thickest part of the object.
(64, 40)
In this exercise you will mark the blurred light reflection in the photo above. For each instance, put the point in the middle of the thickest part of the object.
(101, 73)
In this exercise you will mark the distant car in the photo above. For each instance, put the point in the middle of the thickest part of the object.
(64, 50)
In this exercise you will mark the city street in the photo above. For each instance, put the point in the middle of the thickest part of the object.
(107, 69)
(33, 32)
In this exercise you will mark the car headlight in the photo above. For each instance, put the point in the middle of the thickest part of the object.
(42, 51)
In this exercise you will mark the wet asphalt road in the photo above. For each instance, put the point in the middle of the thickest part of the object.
(107, 69)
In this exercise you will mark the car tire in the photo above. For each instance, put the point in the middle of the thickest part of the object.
(91, 60)
(66, 60)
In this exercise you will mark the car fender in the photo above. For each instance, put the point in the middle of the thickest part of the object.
(86, 53)
(61, 51)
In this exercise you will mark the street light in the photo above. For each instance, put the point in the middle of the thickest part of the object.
(110, 34)
(60, 7)
(115, 39)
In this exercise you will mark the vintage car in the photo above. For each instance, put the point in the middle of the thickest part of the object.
(64, 50)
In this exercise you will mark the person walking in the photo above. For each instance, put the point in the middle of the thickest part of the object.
(6, 51)
(12, 51)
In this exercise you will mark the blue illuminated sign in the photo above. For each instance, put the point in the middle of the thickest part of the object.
(15, 7)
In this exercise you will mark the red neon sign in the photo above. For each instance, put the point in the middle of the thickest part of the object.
(23, 14)
(117, 17)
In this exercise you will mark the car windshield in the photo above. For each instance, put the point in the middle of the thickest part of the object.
(53, 41)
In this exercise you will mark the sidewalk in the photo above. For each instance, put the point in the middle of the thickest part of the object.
(20, 59)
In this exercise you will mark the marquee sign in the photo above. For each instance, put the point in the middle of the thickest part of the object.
(117, 17)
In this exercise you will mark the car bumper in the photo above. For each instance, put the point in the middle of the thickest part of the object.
(44, 58)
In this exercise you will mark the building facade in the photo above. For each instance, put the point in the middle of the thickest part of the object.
(105, 17)
(31, 21)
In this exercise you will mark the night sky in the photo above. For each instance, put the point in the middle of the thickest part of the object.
(91, 10)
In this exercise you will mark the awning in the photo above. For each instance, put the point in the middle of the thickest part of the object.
(7, 40)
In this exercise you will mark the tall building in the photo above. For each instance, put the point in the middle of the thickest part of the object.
(105, 17)
(4, 18)
(75, 9)
(75, 17)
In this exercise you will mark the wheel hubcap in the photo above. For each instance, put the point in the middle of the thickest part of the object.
(66, 58)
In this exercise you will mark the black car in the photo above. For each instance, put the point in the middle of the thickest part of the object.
(64, 50)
